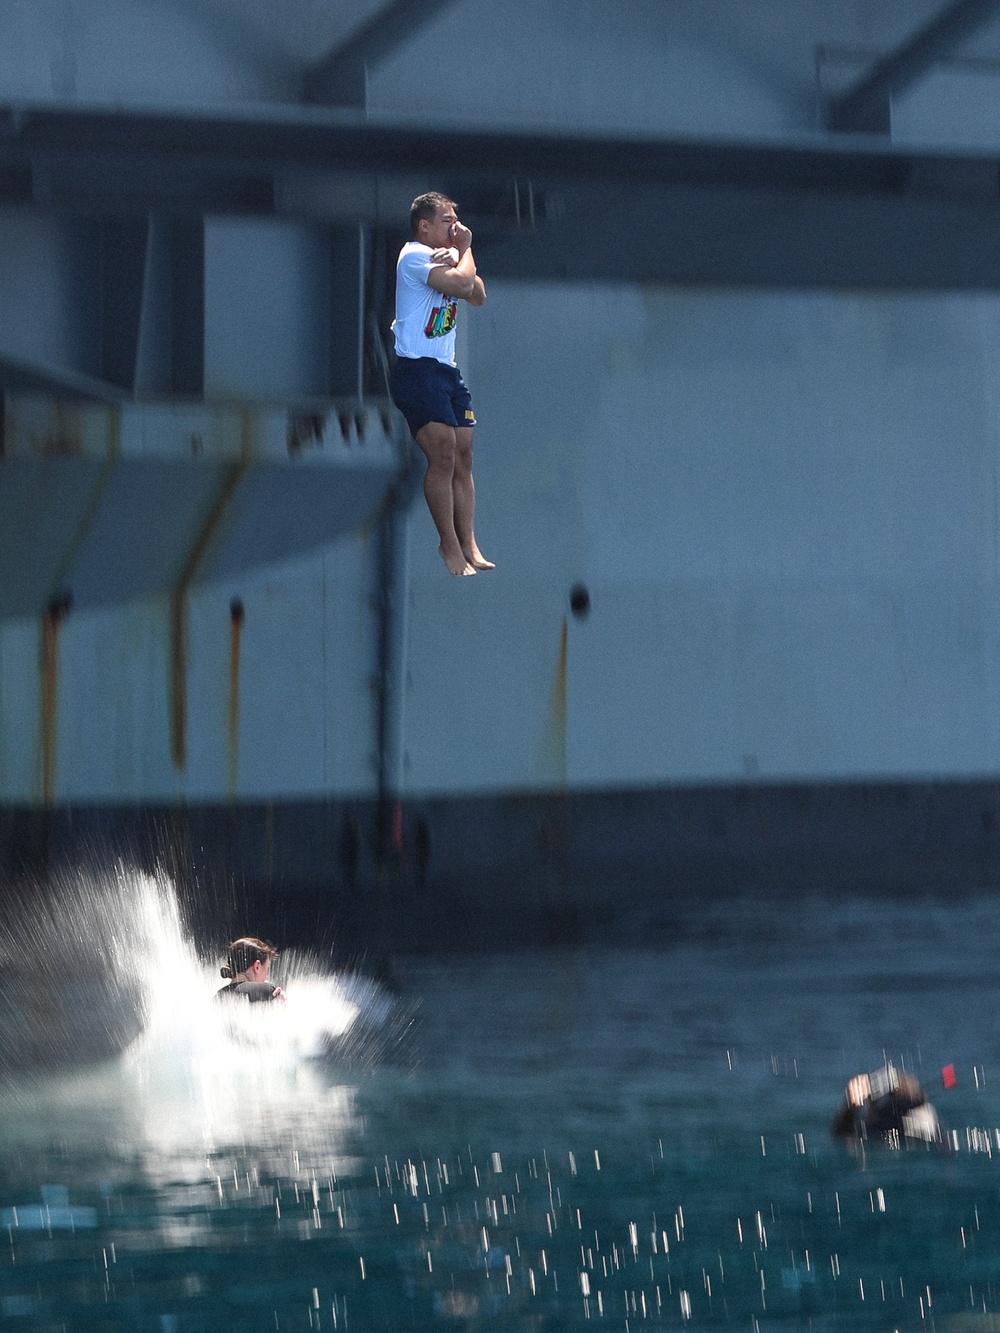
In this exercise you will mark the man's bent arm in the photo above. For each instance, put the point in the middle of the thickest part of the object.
(460, 280)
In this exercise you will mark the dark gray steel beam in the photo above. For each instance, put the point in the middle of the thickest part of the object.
(22, 375)
(784, 215)
(105, 153)
(187, 264)
(866, 108)
(347, 311)
(124, 243)
(724, 235)
(341, 77)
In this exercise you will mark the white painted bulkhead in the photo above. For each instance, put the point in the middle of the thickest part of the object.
(784, 505)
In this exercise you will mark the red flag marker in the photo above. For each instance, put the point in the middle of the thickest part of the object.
(949, 1076)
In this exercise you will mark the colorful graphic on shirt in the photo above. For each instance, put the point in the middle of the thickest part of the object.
(442, 320)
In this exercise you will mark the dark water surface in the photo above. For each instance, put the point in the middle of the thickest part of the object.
(621, 1139)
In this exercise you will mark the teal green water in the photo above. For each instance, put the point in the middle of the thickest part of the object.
(616, 1139)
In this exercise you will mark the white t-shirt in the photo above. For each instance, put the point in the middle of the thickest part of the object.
(425, 319)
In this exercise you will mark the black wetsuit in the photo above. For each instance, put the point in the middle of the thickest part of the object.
(890, 1119)
(254, 991)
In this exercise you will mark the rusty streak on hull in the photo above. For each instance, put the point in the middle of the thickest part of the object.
(181, 594)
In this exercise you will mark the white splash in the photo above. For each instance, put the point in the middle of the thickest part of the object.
(183, 1069)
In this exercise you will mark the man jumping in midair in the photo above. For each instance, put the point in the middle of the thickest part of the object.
(435, 271)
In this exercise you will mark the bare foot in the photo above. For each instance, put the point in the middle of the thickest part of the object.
(457, 563)
(476, 558)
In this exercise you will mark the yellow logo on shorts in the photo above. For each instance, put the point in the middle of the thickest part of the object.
(469, 416)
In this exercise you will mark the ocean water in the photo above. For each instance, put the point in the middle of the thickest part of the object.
(540, 1140)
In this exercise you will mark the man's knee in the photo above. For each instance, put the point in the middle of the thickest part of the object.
(438, 443)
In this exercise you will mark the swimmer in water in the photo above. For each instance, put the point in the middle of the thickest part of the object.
(247, 967)
(888, 1105)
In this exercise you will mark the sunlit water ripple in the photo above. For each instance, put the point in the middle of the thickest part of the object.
(521, 1141)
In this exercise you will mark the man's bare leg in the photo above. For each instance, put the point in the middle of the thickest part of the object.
(438, 444)
(464, 493)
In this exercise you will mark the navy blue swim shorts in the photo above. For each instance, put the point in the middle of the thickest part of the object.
(427, 390)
